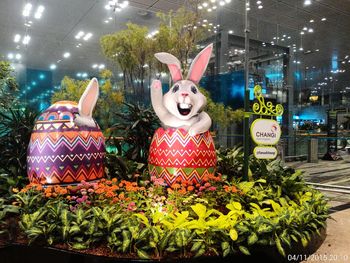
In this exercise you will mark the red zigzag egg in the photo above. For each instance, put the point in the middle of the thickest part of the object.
(176, 154)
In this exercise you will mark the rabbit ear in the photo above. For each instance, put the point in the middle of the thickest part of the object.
(199, 64)
(173, 65)
(89, 98)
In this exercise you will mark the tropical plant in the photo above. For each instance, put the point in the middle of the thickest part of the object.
(221, 114)
(137, 125)
(16, 126)
(132, 51)
(8, 85)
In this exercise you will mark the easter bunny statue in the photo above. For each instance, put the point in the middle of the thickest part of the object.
(182, 106)
(183, 149)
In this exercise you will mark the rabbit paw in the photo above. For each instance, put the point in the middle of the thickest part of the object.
(156, 84)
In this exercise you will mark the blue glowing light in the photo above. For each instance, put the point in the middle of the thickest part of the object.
(34, 83)
(41, 76)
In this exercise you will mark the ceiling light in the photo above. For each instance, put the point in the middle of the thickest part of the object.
(102, 66)
(304, 28)
(311, 21)
(301, 49)
(87, 36)
(17, 38)
(205, 4)
(79, 35)
(307, 2)
(94, 66)
(66, 55)
(106, 21)
(302, 33)
(228, 1)
(258, 2)
(260, 6)
(79, 74)
(323, 19)
(39, 12)
(10, 56)
(27, 9)
(18, 56)
(230, 31)
(53, 66)
(84, 75)
(310, 30)
(26, 40)
(317, 50)
(222, 3)
(200, 7)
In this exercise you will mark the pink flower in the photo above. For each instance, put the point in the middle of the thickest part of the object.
(212, 188)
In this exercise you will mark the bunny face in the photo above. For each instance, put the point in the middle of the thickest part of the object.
(184, 100)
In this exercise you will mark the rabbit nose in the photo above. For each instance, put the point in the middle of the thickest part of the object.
(184, 94)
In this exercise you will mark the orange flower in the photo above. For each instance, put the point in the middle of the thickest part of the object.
(175, 186)
(190, 188)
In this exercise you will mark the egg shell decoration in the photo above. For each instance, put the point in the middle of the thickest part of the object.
(174, 154)
(60, 150)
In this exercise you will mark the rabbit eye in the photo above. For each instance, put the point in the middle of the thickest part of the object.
(176, 88)
(194, 89)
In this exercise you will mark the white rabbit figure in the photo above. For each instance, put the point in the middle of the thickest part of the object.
(182, 106)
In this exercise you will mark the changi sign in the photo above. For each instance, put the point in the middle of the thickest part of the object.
(265, 152)
(265, 132)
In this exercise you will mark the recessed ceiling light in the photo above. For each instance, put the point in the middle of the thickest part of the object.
(27, 9)
(301, 49)
(87, 36)
(230, 31)
(101, 66)
(302, 33)
(258, 2)
(66, 55)
(17, 38)
(310, 30)
(79, 35)
(94, 66)
(260, 6)
(26, 40)
(18, 56)
(317, 50)
(307, 2)
(323, 19)
(53, 66)
(39, 12)
(10, 56)
(311, 21)
(304, 28)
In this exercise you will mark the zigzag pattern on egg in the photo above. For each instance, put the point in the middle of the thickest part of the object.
(60, 152)
(175, 154)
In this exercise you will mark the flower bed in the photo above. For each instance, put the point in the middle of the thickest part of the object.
(147, 220)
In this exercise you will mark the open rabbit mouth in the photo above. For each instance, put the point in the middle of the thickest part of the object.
(184, 108)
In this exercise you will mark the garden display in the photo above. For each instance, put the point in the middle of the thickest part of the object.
(183, 149)
(67, 145)
(192, 203)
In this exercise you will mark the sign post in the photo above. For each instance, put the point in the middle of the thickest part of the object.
(265, 132)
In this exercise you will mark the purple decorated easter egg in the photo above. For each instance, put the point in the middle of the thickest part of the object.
(61, 151)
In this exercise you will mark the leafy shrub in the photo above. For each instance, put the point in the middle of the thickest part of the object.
(220, 216)
(15, 130)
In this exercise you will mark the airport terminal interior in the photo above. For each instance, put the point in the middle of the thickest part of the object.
(236, 144)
